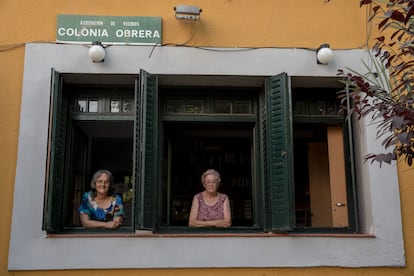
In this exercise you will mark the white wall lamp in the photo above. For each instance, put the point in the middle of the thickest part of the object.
(324, 54)
(97, 52)
(187, 12)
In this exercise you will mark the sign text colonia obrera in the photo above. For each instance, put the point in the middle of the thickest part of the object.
(109, 29)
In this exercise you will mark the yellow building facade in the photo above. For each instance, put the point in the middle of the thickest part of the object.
(229, 56)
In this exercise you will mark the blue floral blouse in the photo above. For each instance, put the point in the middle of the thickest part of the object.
(90, 207)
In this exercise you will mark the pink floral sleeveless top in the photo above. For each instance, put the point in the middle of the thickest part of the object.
(214, 212)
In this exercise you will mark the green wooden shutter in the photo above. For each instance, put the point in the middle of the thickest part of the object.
(147, 132)
(278, 155)
(52, 216)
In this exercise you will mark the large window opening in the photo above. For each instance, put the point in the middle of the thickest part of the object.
(282, 152)
(191, 149)
(100, 145)
(92, 129)
(208, 128)
(320, 143)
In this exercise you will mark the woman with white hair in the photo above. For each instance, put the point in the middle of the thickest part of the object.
(210, 208)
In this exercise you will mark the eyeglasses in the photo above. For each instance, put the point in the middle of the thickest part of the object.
(99, 181)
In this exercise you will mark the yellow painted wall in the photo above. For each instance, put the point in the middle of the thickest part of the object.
(224, 23)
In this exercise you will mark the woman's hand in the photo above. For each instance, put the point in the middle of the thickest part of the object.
(117, 222)
(222, 223)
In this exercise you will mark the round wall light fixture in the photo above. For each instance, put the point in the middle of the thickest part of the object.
(324, 54)
(97, 52)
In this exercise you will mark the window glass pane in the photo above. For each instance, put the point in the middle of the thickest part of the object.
(222, 107)
(175, 106)
(194, 107)
(315, 107)
(320, 108)
(93, 106)
(127, 106)
(331, 108)
(81, 105)
(115, 105)
(242, 107)
(300, 108)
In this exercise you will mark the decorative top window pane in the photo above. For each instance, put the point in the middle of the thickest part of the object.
(85, 105)
(242, 107)
(121, 106)
(207, 105)
(81, 105)
(175, 106)
(331, 108)
(127, 105)
(115, 105)
(93, 106)
(316, 107)
(222, 107)
(320, 108)
(194, 107)
(301, 108)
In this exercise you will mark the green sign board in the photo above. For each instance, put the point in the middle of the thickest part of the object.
(108, 29)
